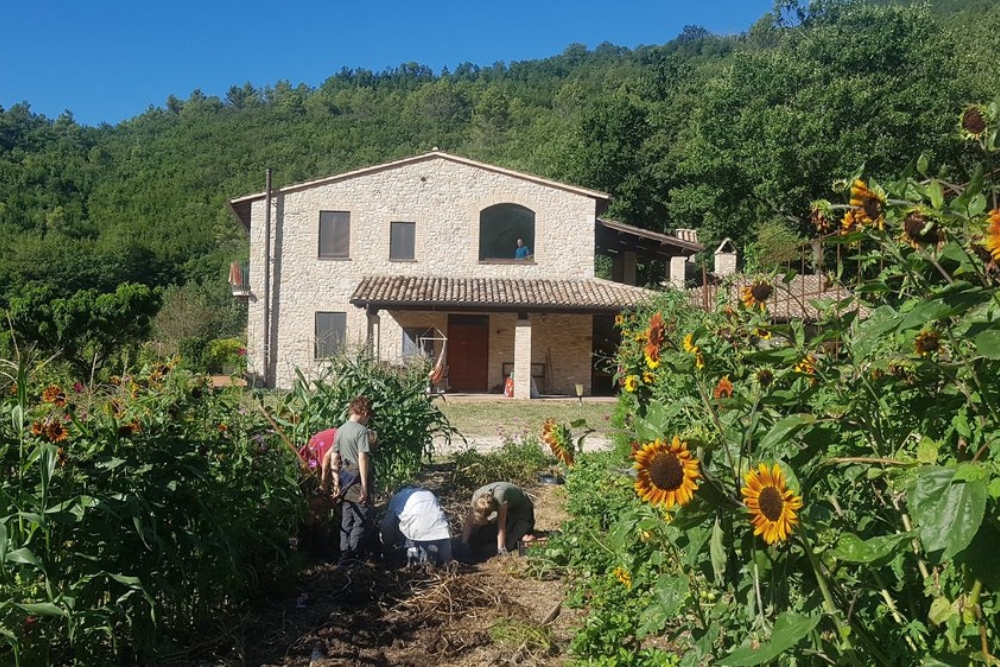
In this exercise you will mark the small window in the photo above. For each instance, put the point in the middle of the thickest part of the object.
(416, 342)
(402, 239)
(331, 331)
(334, 234)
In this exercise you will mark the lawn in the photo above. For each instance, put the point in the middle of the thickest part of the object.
(506, 416)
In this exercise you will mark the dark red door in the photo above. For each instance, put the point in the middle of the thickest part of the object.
(468, 353)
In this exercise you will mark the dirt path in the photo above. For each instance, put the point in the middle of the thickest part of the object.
(495, 613)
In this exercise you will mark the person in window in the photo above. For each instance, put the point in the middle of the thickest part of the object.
(415, 520)
(522, 252)
(501, 516)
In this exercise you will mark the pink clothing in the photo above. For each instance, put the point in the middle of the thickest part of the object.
(317, 447)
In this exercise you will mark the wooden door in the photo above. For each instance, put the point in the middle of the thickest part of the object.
(468, 353)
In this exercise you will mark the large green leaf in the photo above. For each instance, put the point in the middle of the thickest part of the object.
(789, 630)
(988, 343)
(853, 549)
(42, 609)
(948, 505)
(785, 429)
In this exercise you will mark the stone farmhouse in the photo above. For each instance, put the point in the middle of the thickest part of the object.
(418, 256)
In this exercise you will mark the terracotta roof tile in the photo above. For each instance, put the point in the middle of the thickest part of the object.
(585, 295)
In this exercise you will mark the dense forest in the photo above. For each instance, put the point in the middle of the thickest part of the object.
(731, 135)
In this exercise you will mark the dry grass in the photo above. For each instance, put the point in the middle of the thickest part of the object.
(505, 416)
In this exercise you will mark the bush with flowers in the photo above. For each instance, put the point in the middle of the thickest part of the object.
(822, 493)
(133, 514)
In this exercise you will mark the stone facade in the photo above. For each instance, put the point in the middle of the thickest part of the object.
(443, 196)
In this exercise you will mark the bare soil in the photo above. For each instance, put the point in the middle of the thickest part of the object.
(373, 615)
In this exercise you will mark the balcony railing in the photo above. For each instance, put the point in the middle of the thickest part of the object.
(239, 279)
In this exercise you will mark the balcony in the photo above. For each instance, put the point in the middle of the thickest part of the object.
(239, 279)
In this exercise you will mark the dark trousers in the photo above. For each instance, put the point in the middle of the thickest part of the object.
(355, 529)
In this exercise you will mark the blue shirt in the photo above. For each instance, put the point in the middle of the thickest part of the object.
(522, 252)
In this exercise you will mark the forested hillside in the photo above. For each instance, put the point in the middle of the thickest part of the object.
(725, 134)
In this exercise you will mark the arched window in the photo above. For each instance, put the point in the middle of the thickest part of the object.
(500, 226)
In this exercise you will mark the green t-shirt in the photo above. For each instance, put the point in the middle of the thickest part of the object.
(350, 441)
(519, 505)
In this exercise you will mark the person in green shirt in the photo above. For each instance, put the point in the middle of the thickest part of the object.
(501, 515)
(351, 445)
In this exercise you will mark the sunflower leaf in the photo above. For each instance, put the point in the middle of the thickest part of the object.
(852, 549)
(789, 630)
(785, 429)
(988, 344)
(948, 504)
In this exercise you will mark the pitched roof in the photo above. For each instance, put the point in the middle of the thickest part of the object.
(788, 301)
(618, 237)
(241, 205)
(592, 295)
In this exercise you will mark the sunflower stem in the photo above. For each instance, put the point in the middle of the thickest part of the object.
(843, 630)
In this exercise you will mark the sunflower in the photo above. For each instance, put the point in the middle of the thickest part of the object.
(37, 428)
(631, 383)
(757, 294)
(55, 431)
(651, 354)
(55, 395)
(557, 437)
(764, 377)
(771, 503)
(920, 230)
(763, 334)
(648, 378)
(651, 363)
(870, 205)
(699, 360)
(623, 576)
(972, 122)
(807, 366)
(991, 238)
(619, 320)
(850, 223)
(724, 389)
(927, 342)
(819, 216)
(666, 473)
(689, 345)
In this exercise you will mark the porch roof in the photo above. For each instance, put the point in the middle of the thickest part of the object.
(583, 296)
(612, 238)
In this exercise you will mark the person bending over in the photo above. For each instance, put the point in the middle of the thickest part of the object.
(501, 516)
(415, 520)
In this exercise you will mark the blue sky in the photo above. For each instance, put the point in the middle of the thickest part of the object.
(108, 61)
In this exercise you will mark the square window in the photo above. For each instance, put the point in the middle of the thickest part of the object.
(334, 234)
(402, 240)
(331, 332)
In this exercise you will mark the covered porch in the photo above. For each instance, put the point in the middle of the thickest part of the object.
(540, 331)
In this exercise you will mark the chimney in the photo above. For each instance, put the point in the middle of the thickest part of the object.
(689, 235)
(725, 259)
(678, 271)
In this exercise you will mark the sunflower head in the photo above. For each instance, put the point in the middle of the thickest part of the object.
(850, 223)
(622, 575)
(757, 294)
(820, 215)
(631, 383)
(764, 377)
(972, 123)
(557, 437)
(619, 320)
(648, 378)
(655, 332)
(652, 354)
(651, 362)
(724, 388)
(37, 428)
(55, 431)
(55, 395)
(927, 342)
(667, 473)
(991, 235)
(771, 503)
(920, 229)
(807, 365)
(870, 205)
(689, 345)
